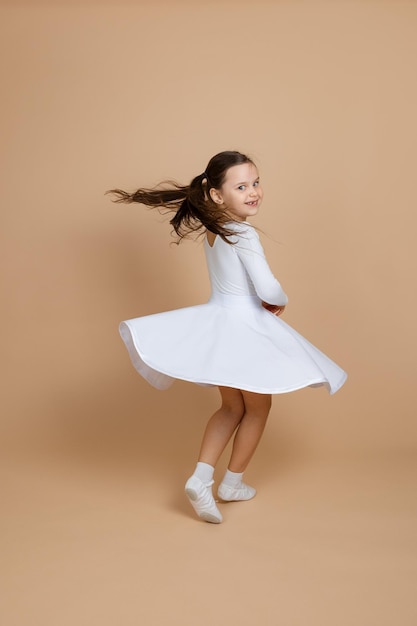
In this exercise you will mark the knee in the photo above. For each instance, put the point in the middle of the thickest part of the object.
(262, 412)
(258, 405)
(234, 410)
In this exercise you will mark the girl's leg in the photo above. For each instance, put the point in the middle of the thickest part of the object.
(252, 425)
(250, 430)
(218, 432)
(222, 425)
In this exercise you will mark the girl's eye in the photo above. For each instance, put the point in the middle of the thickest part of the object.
(256, 183)
(241, 187)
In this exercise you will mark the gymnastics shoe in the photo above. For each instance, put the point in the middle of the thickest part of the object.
(233, 494)
(201, 499)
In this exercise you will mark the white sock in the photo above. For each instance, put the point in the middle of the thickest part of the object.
(232, 479)
(204, 472)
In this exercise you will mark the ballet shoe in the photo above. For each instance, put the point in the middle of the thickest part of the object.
(202, 501)
(234, 494)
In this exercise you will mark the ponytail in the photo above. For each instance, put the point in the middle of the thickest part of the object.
(193, 208)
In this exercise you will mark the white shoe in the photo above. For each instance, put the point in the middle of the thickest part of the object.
(201, 499)
(233, 494)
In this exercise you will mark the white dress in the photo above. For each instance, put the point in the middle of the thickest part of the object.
(231, 340)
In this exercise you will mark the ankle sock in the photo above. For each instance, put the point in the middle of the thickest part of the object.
(204, 472)
(232, 479)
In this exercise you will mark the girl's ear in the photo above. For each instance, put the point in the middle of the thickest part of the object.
(216, 196)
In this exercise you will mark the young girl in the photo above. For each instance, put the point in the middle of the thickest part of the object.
(235, 341)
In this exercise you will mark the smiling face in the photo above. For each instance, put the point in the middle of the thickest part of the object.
(241, 193)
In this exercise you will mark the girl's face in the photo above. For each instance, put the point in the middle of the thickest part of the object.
(241, 193)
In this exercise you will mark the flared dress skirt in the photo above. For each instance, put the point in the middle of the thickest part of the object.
(231, 341)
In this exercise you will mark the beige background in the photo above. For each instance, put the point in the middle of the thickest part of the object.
(101, 94)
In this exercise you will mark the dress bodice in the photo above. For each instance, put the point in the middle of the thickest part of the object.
(240, 268)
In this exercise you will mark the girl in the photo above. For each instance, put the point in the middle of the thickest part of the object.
(235, 341)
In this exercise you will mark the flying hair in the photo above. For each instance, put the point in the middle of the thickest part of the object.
(193, 208)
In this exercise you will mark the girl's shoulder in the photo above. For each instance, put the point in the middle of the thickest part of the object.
(241, 228)
(235, 225)
(243, 231)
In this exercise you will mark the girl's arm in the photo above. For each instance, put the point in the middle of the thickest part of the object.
(250, 252)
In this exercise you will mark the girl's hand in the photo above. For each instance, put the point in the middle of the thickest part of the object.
(276, 309)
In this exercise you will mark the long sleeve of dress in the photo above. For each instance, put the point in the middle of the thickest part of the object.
(251, 254)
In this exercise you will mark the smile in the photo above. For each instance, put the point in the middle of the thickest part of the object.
(252, 203)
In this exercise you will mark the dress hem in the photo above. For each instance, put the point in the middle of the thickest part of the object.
(151, 372)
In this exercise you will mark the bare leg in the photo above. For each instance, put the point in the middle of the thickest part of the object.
(251, 427)
(219, 430)
(222, 425)
(247, 412)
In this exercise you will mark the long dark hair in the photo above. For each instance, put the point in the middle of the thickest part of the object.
(192, 204)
